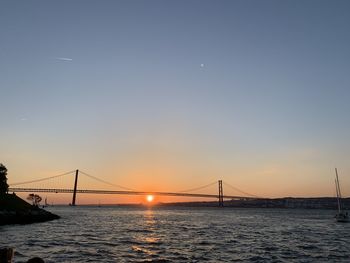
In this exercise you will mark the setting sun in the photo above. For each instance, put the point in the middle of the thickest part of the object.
(150, 198)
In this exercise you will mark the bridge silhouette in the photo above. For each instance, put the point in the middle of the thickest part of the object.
(14, 187)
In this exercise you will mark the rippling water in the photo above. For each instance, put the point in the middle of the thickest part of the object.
(114, 234)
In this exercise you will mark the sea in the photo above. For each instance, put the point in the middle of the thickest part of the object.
(179, 234)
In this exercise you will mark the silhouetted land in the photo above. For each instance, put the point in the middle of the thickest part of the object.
(287, 202)
(14, 210)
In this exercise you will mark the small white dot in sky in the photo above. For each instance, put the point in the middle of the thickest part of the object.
(202, 65)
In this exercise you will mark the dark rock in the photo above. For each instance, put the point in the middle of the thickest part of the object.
(14, 210)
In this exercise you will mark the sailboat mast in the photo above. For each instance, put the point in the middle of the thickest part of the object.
(338, 190)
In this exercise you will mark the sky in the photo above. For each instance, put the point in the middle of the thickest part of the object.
(171, 95)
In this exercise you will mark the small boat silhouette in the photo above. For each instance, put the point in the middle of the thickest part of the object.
(341, 216)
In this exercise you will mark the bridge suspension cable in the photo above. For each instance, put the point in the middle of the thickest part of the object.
(42, 179)
(240, 191)
(105, 182)
(197, 188)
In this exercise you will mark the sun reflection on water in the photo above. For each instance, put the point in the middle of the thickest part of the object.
(149, 239)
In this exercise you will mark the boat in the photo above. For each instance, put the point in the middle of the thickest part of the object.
(341, 216)
(46, 204)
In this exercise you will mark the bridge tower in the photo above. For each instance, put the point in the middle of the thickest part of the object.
(221, 194)
(75, 187)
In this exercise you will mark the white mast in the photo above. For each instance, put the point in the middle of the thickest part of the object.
(337, 186)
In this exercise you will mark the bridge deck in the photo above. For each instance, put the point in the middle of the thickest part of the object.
(59, 190)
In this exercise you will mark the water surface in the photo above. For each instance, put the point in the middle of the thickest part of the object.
(121, 234)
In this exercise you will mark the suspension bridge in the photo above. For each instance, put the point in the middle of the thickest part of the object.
(32, 187)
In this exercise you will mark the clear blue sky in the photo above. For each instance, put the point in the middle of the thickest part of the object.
(174, 94)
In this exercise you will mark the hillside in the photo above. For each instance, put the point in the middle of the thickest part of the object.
(14, 210)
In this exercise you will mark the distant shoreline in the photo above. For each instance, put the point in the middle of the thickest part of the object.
(286, 202)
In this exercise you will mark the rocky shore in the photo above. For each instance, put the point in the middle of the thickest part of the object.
(14, 210)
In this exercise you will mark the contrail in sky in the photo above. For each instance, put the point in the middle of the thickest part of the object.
(64, 59)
